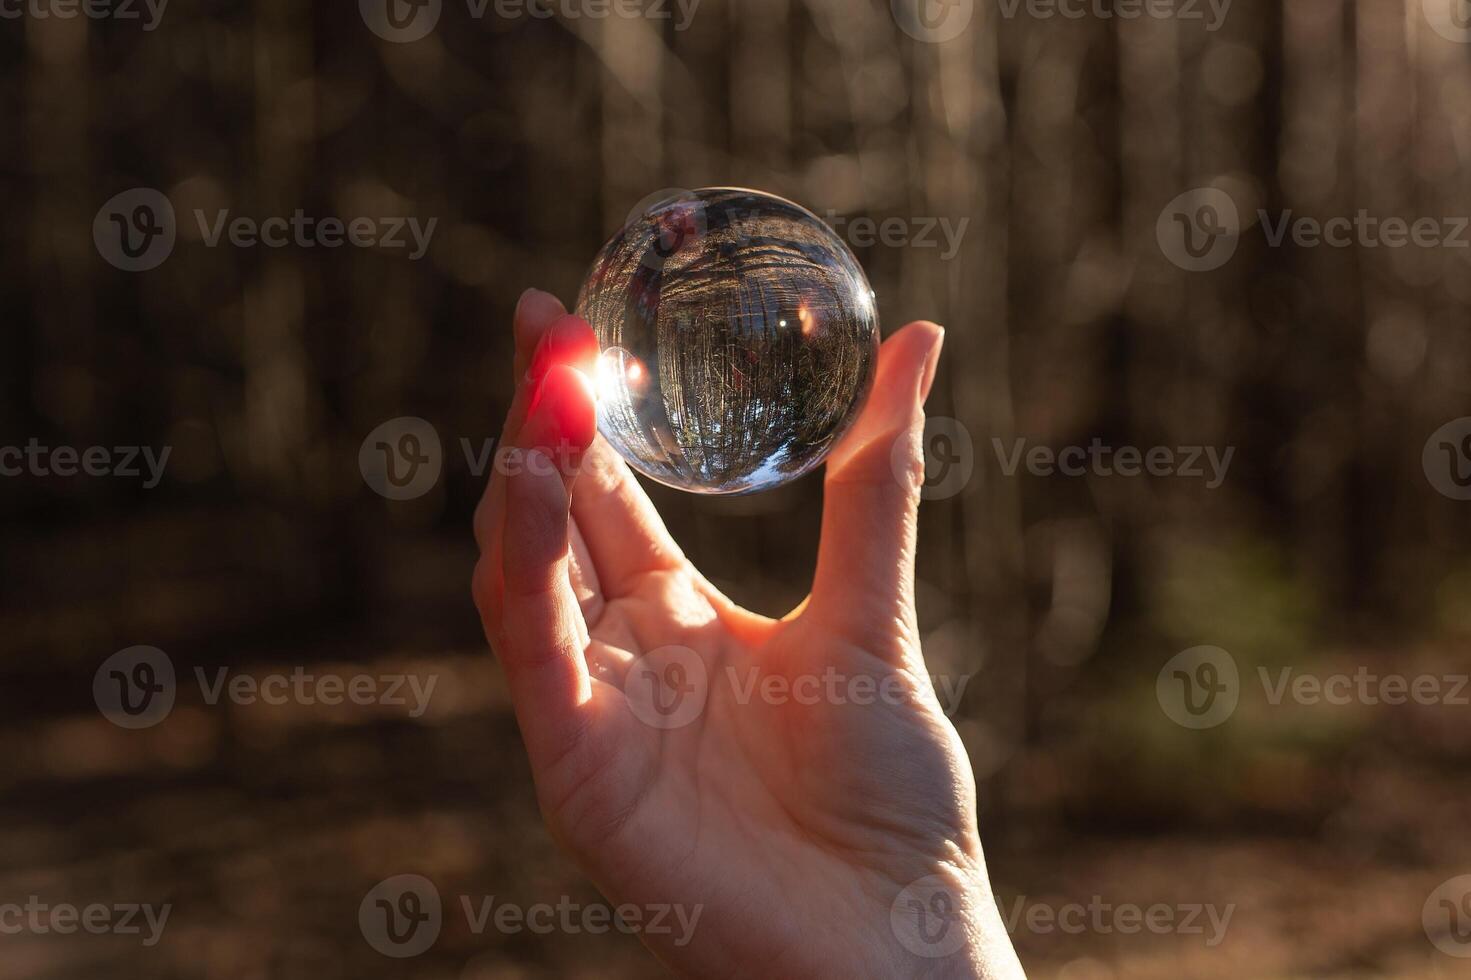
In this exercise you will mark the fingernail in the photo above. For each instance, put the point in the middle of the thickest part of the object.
(931, 365)
(521, 300)
(560, 410)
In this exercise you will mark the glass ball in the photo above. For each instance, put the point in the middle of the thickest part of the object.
(737, 336)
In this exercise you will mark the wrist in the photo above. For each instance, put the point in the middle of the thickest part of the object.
(948, 927)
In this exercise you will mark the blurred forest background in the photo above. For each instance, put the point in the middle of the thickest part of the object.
(1058, 140)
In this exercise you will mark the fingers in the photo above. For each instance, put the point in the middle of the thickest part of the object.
(537, 627)
(865, 563)
(524, 584)
(536, 311)
(545, 335)
(624, 533)
(584, 576)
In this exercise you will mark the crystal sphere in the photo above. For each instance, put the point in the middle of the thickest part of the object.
(737, 336)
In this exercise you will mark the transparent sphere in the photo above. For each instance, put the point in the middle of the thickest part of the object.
(738, 339)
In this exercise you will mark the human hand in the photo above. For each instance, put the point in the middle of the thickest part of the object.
(814, 836)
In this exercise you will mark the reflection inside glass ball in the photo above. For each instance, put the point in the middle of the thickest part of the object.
(738, 338)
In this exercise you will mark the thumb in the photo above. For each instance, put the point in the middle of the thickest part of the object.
(865, 564)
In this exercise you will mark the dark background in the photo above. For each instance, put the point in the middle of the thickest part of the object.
(263, 549)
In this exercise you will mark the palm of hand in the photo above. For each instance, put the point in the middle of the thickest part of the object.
(759, 769)
(783, 780)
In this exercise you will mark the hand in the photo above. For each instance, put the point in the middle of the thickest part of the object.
(794, 826)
